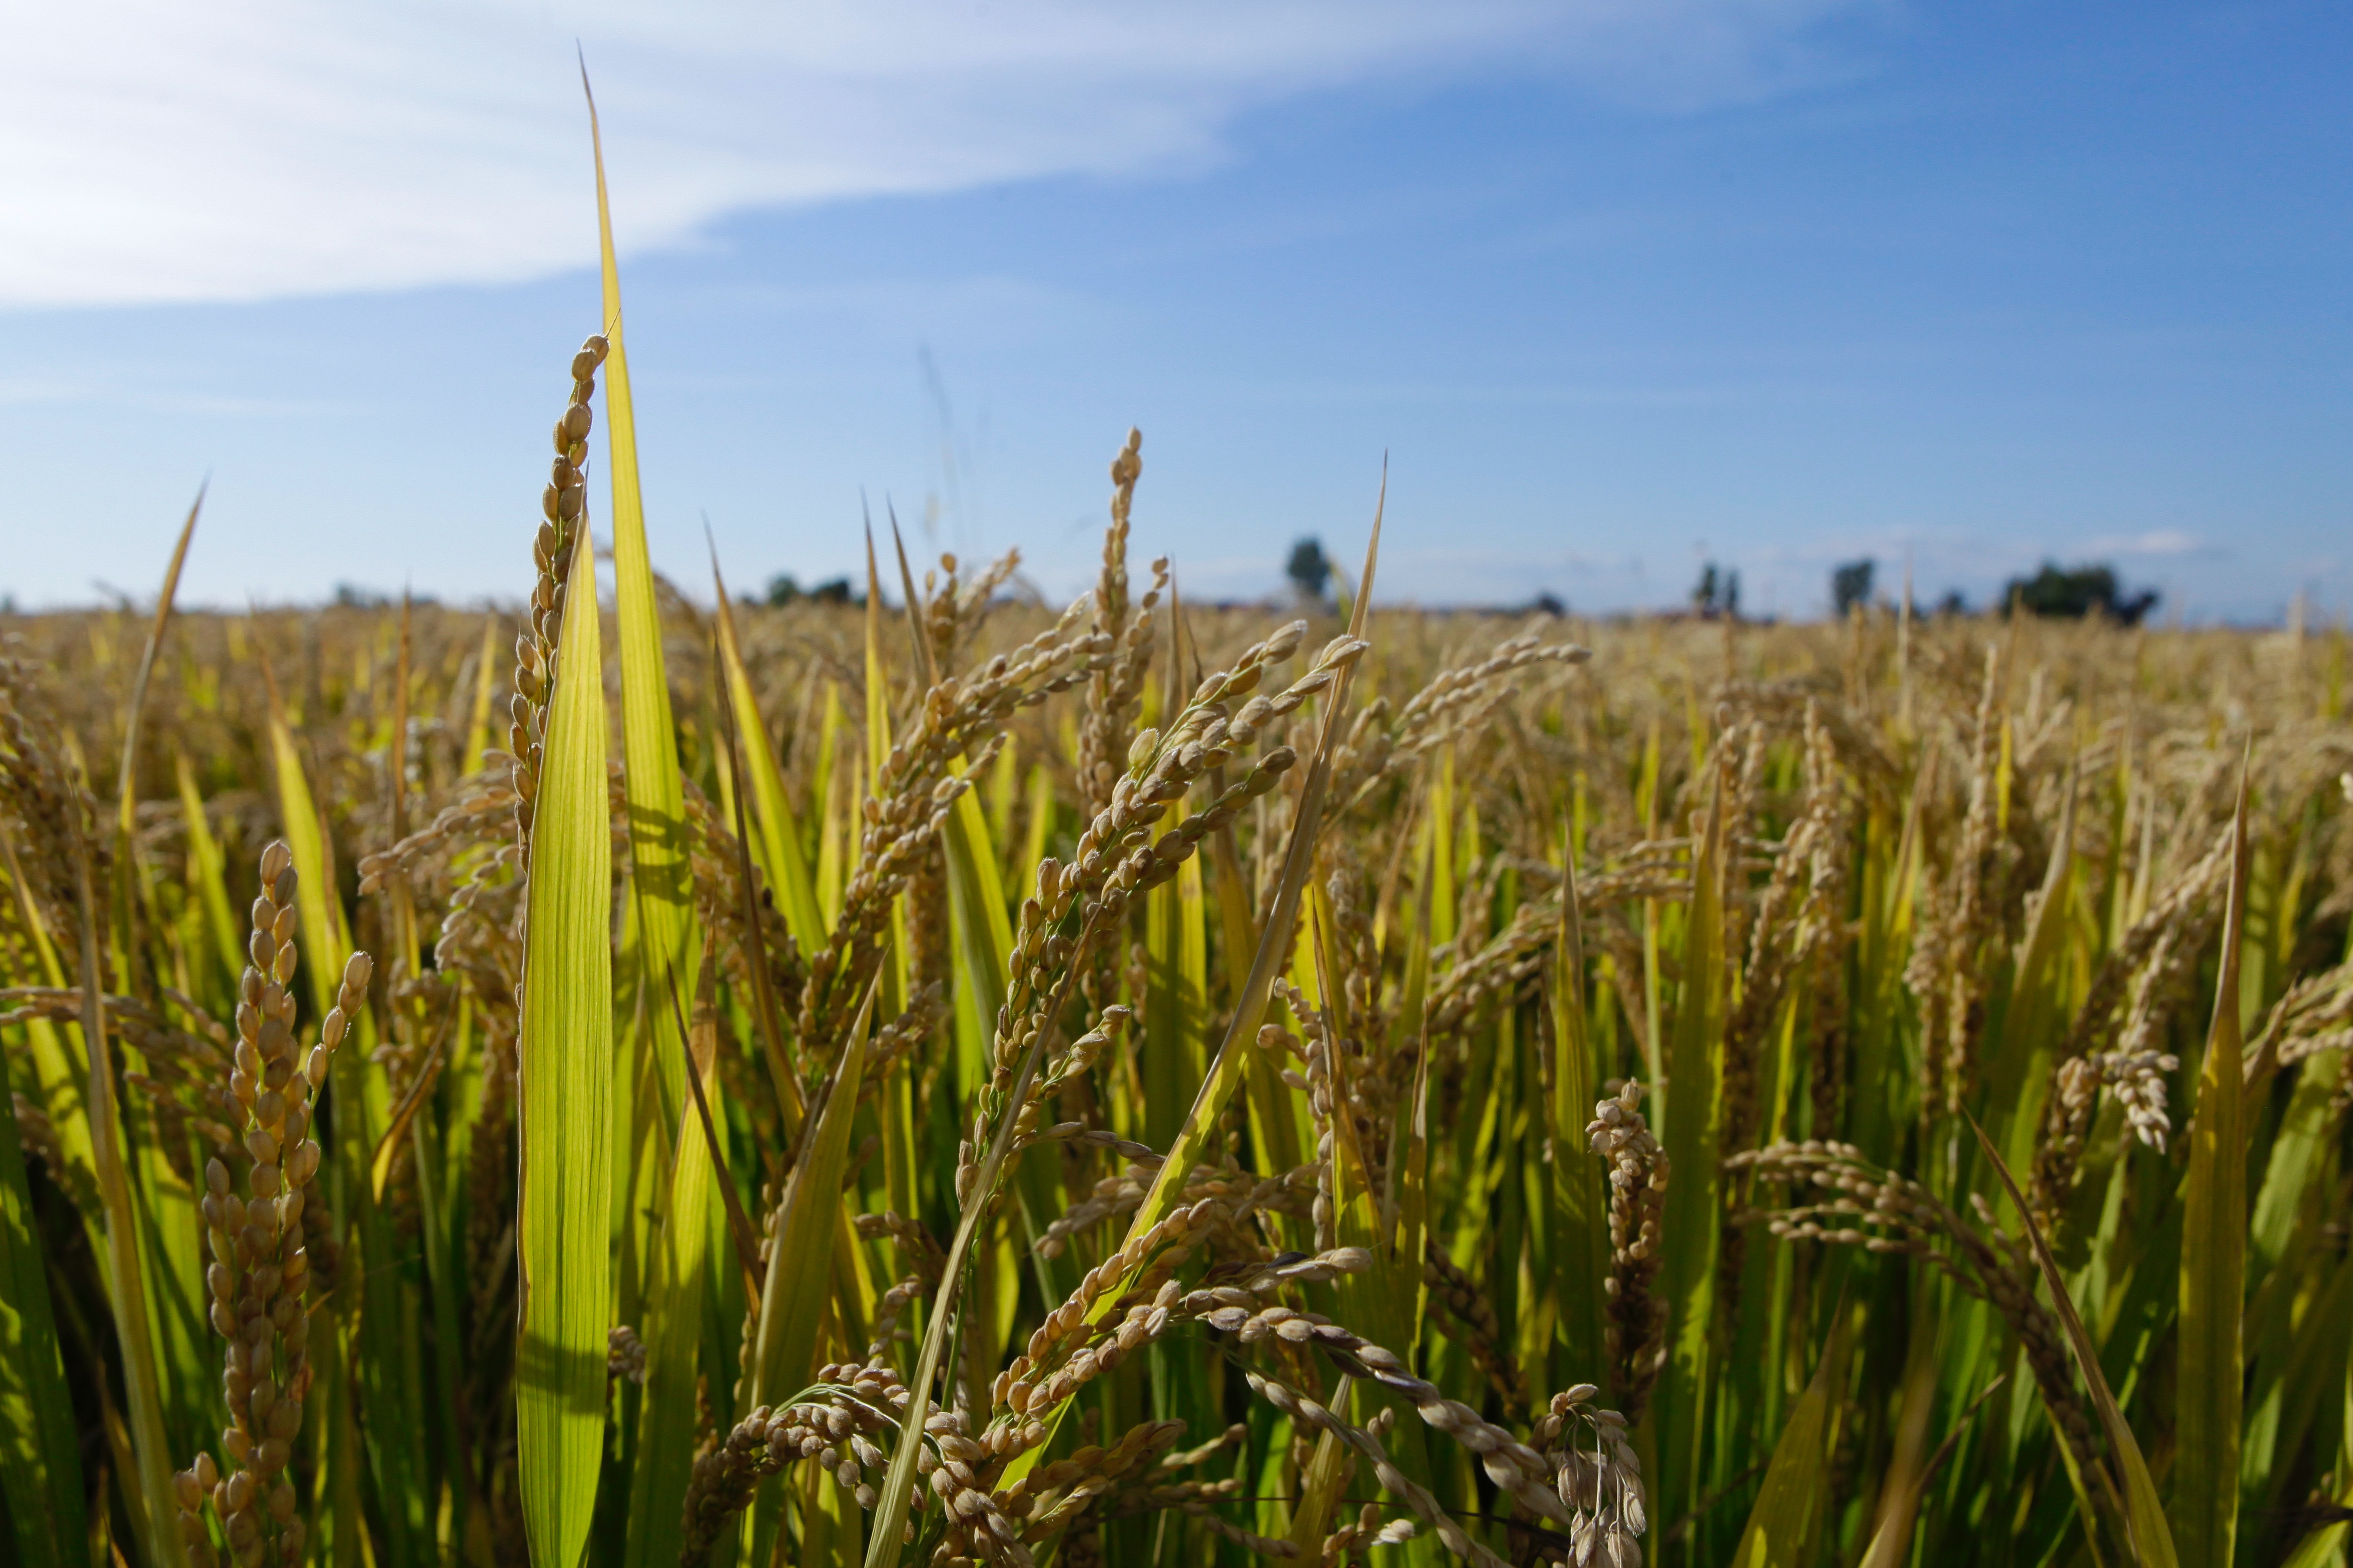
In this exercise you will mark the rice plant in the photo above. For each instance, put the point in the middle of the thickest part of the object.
(664, 1080)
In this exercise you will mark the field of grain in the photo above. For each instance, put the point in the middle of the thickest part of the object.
(577, 1083)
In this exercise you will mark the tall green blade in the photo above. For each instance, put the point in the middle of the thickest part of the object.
(780, 834)
(1176, 959)
(207, 874)
(2214, 1262)
(672, 1334)
(1788, 1511)
(382, 1346)
(151, 1512)
(2133, 1492)
(565, 1061)
(800, 1259)
(1580, 1187)
(1693, 1115)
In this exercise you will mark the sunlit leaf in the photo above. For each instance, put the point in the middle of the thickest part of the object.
(566, 1090)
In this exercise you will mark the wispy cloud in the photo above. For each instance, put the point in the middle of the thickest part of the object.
(157, 152)
(2155, 542)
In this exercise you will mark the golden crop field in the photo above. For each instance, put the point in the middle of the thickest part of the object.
(580, 1083)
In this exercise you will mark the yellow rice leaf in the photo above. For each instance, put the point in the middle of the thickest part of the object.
(657, 859)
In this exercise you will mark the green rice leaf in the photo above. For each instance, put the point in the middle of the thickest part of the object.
(1580, 1187)
(208, 875)
(2283, 1239)
(566, 1065)
(317, 911)
(2021, 1072)
(2325, 1547)
(2211, 1370)
(2148, 1534)
(478, 726)
(800, 1258)
(1890, 1536)
(1788, 1513)
(381, 1343)
(1694, 1096)
(62, 1084)
(149, 1506)
(672, 1331)
(780, 834)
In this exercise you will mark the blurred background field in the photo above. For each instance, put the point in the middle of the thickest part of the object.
(1859, 881)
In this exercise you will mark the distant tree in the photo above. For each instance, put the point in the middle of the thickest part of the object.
(1547, 603)
(1717, 593)
(1850, 583)
(352, 596)
(782, 589)
(836, 591)
(1308, 570)
(1952, 604)
(2073, 593)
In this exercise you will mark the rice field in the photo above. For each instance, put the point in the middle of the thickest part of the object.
(584, 1082)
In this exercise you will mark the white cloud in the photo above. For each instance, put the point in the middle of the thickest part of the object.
(2155, 542)
(155, 151)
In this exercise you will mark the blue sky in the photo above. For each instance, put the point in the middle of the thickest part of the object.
(1615, 288)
